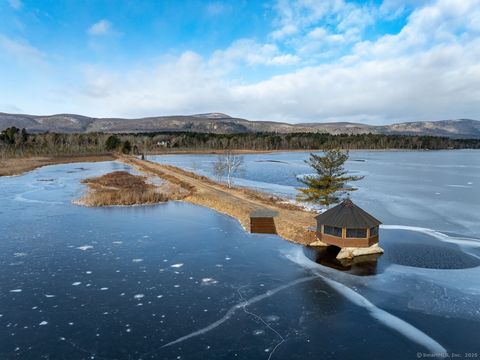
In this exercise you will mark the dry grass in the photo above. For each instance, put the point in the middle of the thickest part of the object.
(16, 166)
(257, 195)
(123, 188)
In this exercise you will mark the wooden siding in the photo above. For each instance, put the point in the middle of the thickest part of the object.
(262, 225)
(347, 242)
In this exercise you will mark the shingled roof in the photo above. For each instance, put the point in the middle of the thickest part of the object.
(347, 214)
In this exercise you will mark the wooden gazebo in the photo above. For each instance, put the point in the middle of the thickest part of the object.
(347, 225)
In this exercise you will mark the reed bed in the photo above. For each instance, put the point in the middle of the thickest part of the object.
(123, 188)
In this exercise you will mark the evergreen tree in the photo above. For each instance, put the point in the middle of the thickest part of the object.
(112, 143)
(329, 185)
(126, 147)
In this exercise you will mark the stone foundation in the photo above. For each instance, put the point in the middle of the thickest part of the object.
(317, 243)
(351, 252)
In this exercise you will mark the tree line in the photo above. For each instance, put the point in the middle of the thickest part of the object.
(16, 142)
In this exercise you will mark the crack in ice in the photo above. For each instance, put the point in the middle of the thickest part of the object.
(282, 339)
(460, 240)
(236, 307)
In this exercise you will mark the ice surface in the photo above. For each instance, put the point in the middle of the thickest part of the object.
(235, 308)
(259, 299)
(402, 327)
(397, 188)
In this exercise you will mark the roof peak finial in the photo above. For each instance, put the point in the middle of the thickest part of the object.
(348, 202)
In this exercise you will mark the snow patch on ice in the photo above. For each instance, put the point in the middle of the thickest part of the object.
(209, 281)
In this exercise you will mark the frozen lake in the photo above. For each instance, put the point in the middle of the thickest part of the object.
(433, 189)
(177, 281)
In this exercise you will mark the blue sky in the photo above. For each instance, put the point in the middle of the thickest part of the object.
(375, 61)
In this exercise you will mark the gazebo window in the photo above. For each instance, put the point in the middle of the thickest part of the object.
(332, 230)
(374, 231)
(356, 233)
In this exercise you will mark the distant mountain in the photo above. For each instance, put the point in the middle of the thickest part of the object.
(223, 124)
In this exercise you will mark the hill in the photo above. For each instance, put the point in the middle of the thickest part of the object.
(219, 123)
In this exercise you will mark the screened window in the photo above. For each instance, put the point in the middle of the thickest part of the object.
(332, 230)
(356, 233)
(374, 231)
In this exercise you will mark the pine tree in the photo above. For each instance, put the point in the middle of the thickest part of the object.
(112, 143)
(126, 147)
(329, 185)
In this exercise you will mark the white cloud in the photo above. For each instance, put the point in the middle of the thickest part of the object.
(101, 27)
(20, 50)
(249, 52)
(284, 31)
(179, 85)
(15, 4)
(320, 29)
(298, 16)
(286, 59)
(215, 8)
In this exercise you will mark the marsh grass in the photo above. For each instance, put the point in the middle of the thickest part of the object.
(123, 188)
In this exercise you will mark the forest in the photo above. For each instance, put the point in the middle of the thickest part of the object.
(16, 142)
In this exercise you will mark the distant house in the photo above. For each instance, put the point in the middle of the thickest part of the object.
(347, 225)
(163, 143)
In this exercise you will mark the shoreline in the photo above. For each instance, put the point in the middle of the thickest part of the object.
(19, 166)
(247, 151)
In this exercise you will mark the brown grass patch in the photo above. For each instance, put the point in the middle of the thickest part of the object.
(123, 188)
(267, 199)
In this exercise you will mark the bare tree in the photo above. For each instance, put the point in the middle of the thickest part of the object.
(227, 165)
